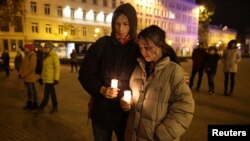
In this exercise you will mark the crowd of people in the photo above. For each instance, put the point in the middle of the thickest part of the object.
(161, 106)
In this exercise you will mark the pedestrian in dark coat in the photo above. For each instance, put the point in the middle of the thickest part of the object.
(211, 62)
(6, 62)
(18, 61)
(198, 58)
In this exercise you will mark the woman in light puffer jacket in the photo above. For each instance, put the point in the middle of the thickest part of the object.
(162, 106)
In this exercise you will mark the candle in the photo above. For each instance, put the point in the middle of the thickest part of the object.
(127, 96)
(114, 83)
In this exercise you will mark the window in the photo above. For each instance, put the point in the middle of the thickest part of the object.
(59, 11)
(105, 4)
(13, 45)
(72, 30)
(34, 27)
(84, 14)
(4, 28)
(113, 4)
(18, 26)
(48, 28)
(33, 7)
(47, 9)
(60, 29)
(72, 13)
(84, 31)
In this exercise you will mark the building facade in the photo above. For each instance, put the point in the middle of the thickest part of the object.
(75, 24)
(220, 36)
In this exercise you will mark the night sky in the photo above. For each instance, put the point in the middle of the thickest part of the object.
(233, 13)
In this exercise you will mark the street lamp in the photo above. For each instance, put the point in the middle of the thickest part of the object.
(96, 32)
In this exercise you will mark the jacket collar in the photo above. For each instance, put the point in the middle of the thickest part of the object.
(162, 63)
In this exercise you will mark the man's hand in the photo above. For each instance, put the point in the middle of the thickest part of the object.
(109, 92)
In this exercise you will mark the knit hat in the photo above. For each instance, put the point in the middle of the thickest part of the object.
(29, 46)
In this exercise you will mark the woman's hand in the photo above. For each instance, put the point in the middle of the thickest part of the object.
(125, 105)
(109, 92)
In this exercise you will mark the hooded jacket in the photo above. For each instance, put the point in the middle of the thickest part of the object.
(51, 68)
(108, 59)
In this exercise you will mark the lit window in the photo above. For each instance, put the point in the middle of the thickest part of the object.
(59, 11)
(60, 29)
(34, 27)
(47, 9)
(33, 7)
(48, 28)
(72, 30)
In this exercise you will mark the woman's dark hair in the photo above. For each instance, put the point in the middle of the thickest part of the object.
(230, 44)
(156, 35)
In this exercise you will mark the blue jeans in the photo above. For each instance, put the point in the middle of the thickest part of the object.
(104, 134)
(49, 90)
(31, 91)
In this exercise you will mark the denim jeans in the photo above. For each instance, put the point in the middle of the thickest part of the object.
(31, 91)
(200, 74)
(228, 75)
(104, 134)
(210, 78)
(49, 90)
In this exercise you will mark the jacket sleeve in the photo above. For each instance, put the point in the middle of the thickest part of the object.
(180, 109)
(56, 66)
(88, 72)
(238, 56)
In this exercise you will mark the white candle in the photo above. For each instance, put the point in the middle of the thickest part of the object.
(114, 83)
(127, 96)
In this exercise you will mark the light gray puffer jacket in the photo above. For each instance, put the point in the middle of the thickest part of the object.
(163, 105)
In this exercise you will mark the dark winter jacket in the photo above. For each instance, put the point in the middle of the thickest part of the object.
(198, 58)
(211, 62)
(105, 60)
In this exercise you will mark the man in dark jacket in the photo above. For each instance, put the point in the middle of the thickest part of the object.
(111, 57)
(198, 58)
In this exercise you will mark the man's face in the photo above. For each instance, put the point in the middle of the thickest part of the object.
(122, 27)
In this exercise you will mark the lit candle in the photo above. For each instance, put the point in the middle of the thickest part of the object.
(127, 96)
(114, 83)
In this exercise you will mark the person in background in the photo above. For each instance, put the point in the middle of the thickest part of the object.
(27, 73)
(73, 60)
(50, 77)
(6, 62)
(162, 105)
(211, 62)
(39, 61)
(18, 61)
(198, 58)
(230, 59)
(110, 57)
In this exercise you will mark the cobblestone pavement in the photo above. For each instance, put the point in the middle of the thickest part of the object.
(71, 123)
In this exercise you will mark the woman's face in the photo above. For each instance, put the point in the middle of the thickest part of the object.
(149, 50)
(122, 27)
